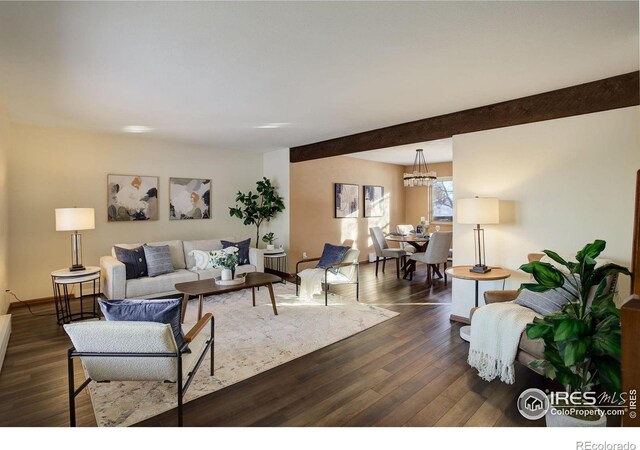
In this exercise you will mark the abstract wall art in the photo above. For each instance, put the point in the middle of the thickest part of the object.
(346, 198)
(373, 201)
(189, 198)
(132, 197)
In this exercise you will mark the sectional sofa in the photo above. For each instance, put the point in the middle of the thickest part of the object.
(115, 285)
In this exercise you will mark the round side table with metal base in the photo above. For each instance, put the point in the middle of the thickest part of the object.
(464, 273)
(61, 280)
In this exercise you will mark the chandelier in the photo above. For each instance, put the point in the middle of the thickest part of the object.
(420, 174)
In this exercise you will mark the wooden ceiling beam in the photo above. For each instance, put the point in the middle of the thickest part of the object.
(610, 93)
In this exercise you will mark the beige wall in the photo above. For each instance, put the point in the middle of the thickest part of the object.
(312, 203)
(52, 168)
(417, 198)
(4, 210)
(562, 183)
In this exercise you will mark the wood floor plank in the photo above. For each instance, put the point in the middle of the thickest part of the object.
(410, 370)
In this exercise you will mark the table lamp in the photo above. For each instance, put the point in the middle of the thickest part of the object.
(478, 211)
(74, 219)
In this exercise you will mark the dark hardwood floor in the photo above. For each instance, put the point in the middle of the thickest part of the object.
(410, 370)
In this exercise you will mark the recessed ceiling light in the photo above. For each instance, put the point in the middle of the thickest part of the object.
(136, 129)
(274, 125)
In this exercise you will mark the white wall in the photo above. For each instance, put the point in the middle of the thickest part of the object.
(52, 168)
(562, 183)
(276, 168)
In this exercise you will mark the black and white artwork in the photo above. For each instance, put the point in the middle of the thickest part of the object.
(373, 201)
(346, 200)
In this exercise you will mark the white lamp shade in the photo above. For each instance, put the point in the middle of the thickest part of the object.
(478, 210)
(72, 219)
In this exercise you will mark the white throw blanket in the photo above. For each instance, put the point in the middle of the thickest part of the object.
(495, 334)
(311, 281)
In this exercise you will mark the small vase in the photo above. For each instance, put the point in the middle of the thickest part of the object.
(226, 275)
(270, 246)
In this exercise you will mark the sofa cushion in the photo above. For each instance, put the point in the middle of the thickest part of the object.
(535, 347)
(158, 259)
(205, 245)
(243, 249)
(134, 261)
(135, 310)
(147, 286)
(177, 251)
(202, 258)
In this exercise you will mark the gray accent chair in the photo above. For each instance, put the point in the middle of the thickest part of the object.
(437, 253)
(383, 251)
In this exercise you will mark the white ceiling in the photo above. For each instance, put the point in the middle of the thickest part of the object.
(210, 72)
(434, 152)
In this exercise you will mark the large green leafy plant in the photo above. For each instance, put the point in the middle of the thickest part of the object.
(255, 208)
(582, 340)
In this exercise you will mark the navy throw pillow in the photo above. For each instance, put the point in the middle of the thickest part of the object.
(135, 310)
(134, 261)
(243, 250)
(332, 254)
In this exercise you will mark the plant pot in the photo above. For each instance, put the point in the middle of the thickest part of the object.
(270, 247)
(553, 419)
(226, 275)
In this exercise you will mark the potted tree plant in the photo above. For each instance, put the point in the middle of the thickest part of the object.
(582, 341)
(255, 208)
(269, 239)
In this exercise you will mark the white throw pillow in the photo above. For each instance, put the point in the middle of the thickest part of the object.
(203, 261)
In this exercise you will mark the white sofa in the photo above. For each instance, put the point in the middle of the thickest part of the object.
(116, 286)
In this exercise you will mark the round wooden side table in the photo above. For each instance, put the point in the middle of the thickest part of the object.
(464, 273)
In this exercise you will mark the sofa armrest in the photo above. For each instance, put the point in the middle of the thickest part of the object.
(113, 277)
(256, 257)
(499, 296)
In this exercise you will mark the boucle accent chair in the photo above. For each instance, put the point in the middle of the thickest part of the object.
(136, 351)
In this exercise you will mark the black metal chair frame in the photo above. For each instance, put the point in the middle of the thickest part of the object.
(73, 392)
(326, 284)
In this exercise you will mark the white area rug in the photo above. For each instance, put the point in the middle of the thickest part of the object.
(248, 341)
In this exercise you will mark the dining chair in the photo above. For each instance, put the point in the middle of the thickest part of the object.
(437, 253)
(383, 251)
(406, 230)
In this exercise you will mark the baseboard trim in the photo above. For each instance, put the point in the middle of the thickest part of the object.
(460, 319)
(33, 301)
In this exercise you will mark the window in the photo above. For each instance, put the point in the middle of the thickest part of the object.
(442, 200)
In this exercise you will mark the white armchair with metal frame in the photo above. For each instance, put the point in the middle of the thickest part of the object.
(137, 351)
(346, 272)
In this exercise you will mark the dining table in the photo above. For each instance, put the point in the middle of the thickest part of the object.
(418, 241)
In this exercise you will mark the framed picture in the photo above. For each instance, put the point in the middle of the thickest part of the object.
(346, 196)
(189, 198)
(373, 201)
(132, 197)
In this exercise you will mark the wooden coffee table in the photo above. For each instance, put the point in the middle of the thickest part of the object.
(209, 287)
